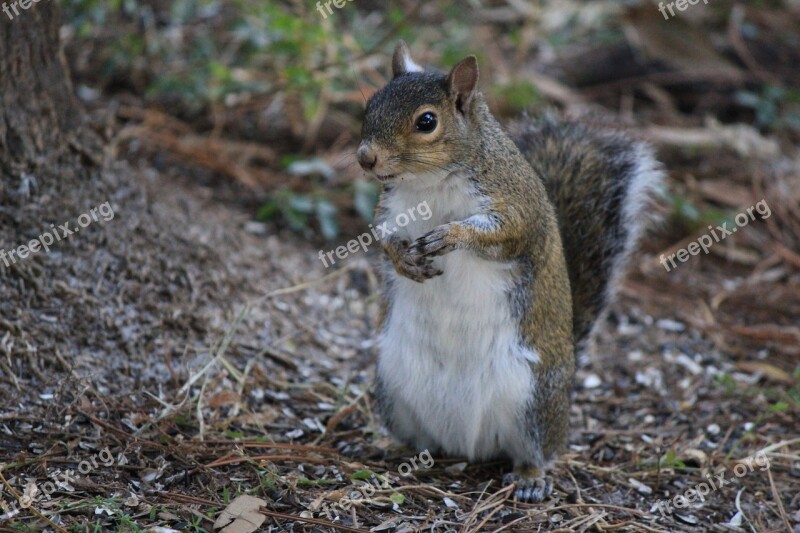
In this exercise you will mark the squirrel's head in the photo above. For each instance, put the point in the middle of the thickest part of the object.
(422, 122)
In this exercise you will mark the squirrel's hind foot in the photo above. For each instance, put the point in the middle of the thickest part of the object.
(531, 485)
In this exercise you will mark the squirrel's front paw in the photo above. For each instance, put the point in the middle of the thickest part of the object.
(437, 242)
(413, 266)
(531, 486)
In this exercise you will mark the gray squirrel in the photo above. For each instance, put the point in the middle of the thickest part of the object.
(486, 303)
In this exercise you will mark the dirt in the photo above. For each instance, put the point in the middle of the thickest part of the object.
(159, 364)
(211, 356)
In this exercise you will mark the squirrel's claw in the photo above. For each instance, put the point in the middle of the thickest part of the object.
(417, 268)
(529, 489)
(433, 243)
(412, 265)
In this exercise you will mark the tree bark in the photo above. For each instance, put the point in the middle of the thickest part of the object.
(37, 106)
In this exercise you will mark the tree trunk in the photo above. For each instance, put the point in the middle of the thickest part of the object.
(37, 106)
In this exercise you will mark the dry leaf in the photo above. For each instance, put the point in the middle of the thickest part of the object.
(242, 515)
(261, 418)
(772, 372)
(223, 398)
(694, 457)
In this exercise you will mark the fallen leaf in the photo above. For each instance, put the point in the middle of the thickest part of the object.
(772, 372)
(694, 457)
(242, 515)
(456, 468)
(639, 486)
(223, 398)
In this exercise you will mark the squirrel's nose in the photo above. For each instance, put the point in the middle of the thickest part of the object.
(367, 157)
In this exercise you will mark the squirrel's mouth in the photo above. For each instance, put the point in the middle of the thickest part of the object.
(386, 177)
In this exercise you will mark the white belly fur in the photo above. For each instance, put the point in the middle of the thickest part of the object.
(450, 353)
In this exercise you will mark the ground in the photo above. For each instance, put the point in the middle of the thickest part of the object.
(163, 362)
(236, 363)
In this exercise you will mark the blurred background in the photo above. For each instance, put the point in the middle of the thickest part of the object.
(198, 335)
(270, 95)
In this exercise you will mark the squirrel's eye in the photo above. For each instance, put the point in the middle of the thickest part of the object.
(427, 122)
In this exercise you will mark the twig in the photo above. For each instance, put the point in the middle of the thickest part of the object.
(601, 505)
(307, 284)
(5, 368)
(317, 521)
(31, 508)
(244, 458)
(219, 353)
(738, 44)
(342, 414)
(276, 445)
(738, 502)
(776, 495)
(183, 498)
(479, 508)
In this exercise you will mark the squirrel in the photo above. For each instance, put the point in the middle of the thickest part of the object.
(486, 303)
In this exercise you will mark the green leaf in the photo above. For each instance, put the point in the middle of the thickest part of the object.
(520, 95)
(361, 474)
(397, 498)
(267, 211)
(220, 72)
(297, 220)
(366, 198)
(778, 407)
(670, 460)
(326, 215)
(287, 160)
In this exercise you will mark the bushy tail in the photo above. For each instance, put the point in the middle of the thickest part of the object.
(600, 183)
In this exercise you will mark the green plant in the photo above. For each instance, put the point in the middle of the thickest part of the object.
(298, 211)
(196, 525)
(519, 95)
(311, 483)
(671, 460)
(689, 217)
(726, 381)
(360, 475)
(774, 107)
(777, 407)
(126, 523)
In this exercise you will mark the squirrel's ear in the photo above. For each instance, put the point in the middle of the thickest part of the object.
(463, 82)
(402, 62)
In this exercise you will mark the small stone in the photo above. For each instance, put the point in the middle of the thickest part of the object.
(592, 381)
(256, 228)
(670, 325)
(295, 434)
(640, 487)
